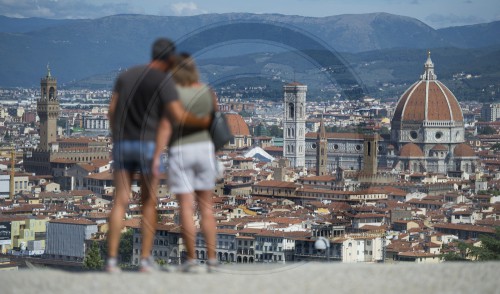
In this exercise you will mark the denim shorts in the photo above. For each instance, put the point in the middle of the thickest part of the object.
(133, 156)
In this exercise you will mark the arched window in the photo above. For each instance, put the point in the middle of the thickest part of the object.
(291, 110)
(52, 93)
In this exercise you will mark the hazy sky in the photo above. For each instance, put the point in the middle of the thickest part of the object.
(436, 13)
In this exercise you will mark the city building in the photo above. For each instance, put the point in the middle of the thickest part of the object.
(55, 153)
(66, 238)
(490, 111)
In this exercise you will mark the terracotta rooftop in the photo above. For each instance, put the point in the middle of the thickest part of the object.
(439, 147)
(411, 150)
(237, 125)
(428, 101)
(463, 150)
(464, 227)
(74, 221)
(276, 184)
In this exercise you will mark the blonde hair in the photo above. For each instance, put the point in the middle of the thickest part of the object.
(185, 72)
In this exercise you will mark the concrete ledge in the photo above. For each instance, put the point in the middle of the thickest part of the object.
(450, 278)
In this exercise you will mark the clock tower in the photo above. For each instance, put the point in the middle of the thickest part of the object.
(48, 111)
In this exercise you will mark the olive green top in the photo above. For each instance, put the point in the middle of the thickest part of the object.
(198, 100)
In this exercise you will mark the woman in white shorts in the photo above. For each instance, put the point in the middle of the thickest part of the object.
(191, 162)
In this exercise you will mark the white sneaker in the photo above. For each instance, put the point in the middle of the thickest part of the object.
(212, 265)
(112, 266)
(148, 265)
(190, 266)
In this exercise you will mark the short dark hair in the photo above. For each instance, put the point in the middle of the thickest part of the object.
(163, 48)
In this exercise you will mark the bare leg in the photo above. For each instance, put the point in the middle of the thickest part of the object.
(208, 225)
(122, 180)
(149, 187)
(186, 202)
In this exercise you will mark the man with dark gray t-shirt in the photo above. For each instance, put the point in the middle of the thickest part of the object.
(144, 100)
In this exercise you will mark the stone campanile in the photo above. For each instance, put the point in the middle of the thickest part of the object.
(294, 123)
(321, 151)
(48, 111)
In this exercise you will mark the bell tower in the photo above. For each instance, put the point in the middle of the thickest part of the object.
(370, 160)
(321, 151)
(48, 111)
(294, 124)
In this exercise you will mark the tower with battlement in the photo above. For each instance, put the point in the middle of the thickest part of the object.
(54, 156)
(48, 111)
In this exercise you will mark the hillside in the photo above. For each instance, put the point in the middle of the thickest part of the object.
(390, 45)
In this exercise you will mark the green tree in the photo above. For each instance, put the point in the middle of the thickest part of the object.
(126, 246)
(385, 130)
(489, 249)
(93, 260)
(245, 113)
(487, 130)
(461, 255)
(275, 131)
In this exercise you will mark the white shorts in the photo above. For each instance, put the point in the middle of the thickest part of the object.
(191, 167)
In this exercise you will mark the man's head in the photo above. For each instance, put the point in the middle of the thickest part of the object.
(163, 50)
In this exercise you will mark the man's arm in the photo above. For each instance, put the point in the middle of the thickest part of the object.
(162, 136)
(178, 114)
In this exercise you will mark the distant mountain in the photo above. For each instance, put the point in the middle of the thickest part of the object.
(77, 49)
(473, 36)
(24, 25)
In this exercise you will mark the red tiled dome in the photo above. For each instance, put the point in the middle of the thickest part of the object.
(411, 150)
(428, 100)
(463, 150)
(237, 125)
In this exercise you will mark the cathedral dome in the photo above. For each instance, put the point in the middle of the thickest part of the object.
(428, 100)
(237, 125)
(411, 150)
(464, 150)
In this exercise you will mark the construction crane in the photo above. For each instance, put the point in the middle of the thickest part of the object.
(11, 151)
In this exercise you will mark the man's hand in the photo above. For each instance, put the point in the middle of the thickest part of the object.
(179, 115)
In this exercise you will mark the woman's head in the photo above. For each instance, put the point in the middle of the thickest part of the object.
(185, 72)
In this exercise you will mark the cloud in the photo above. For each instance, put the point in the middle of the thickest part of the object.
(63, 9)
(186, 8)
(447, 20)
